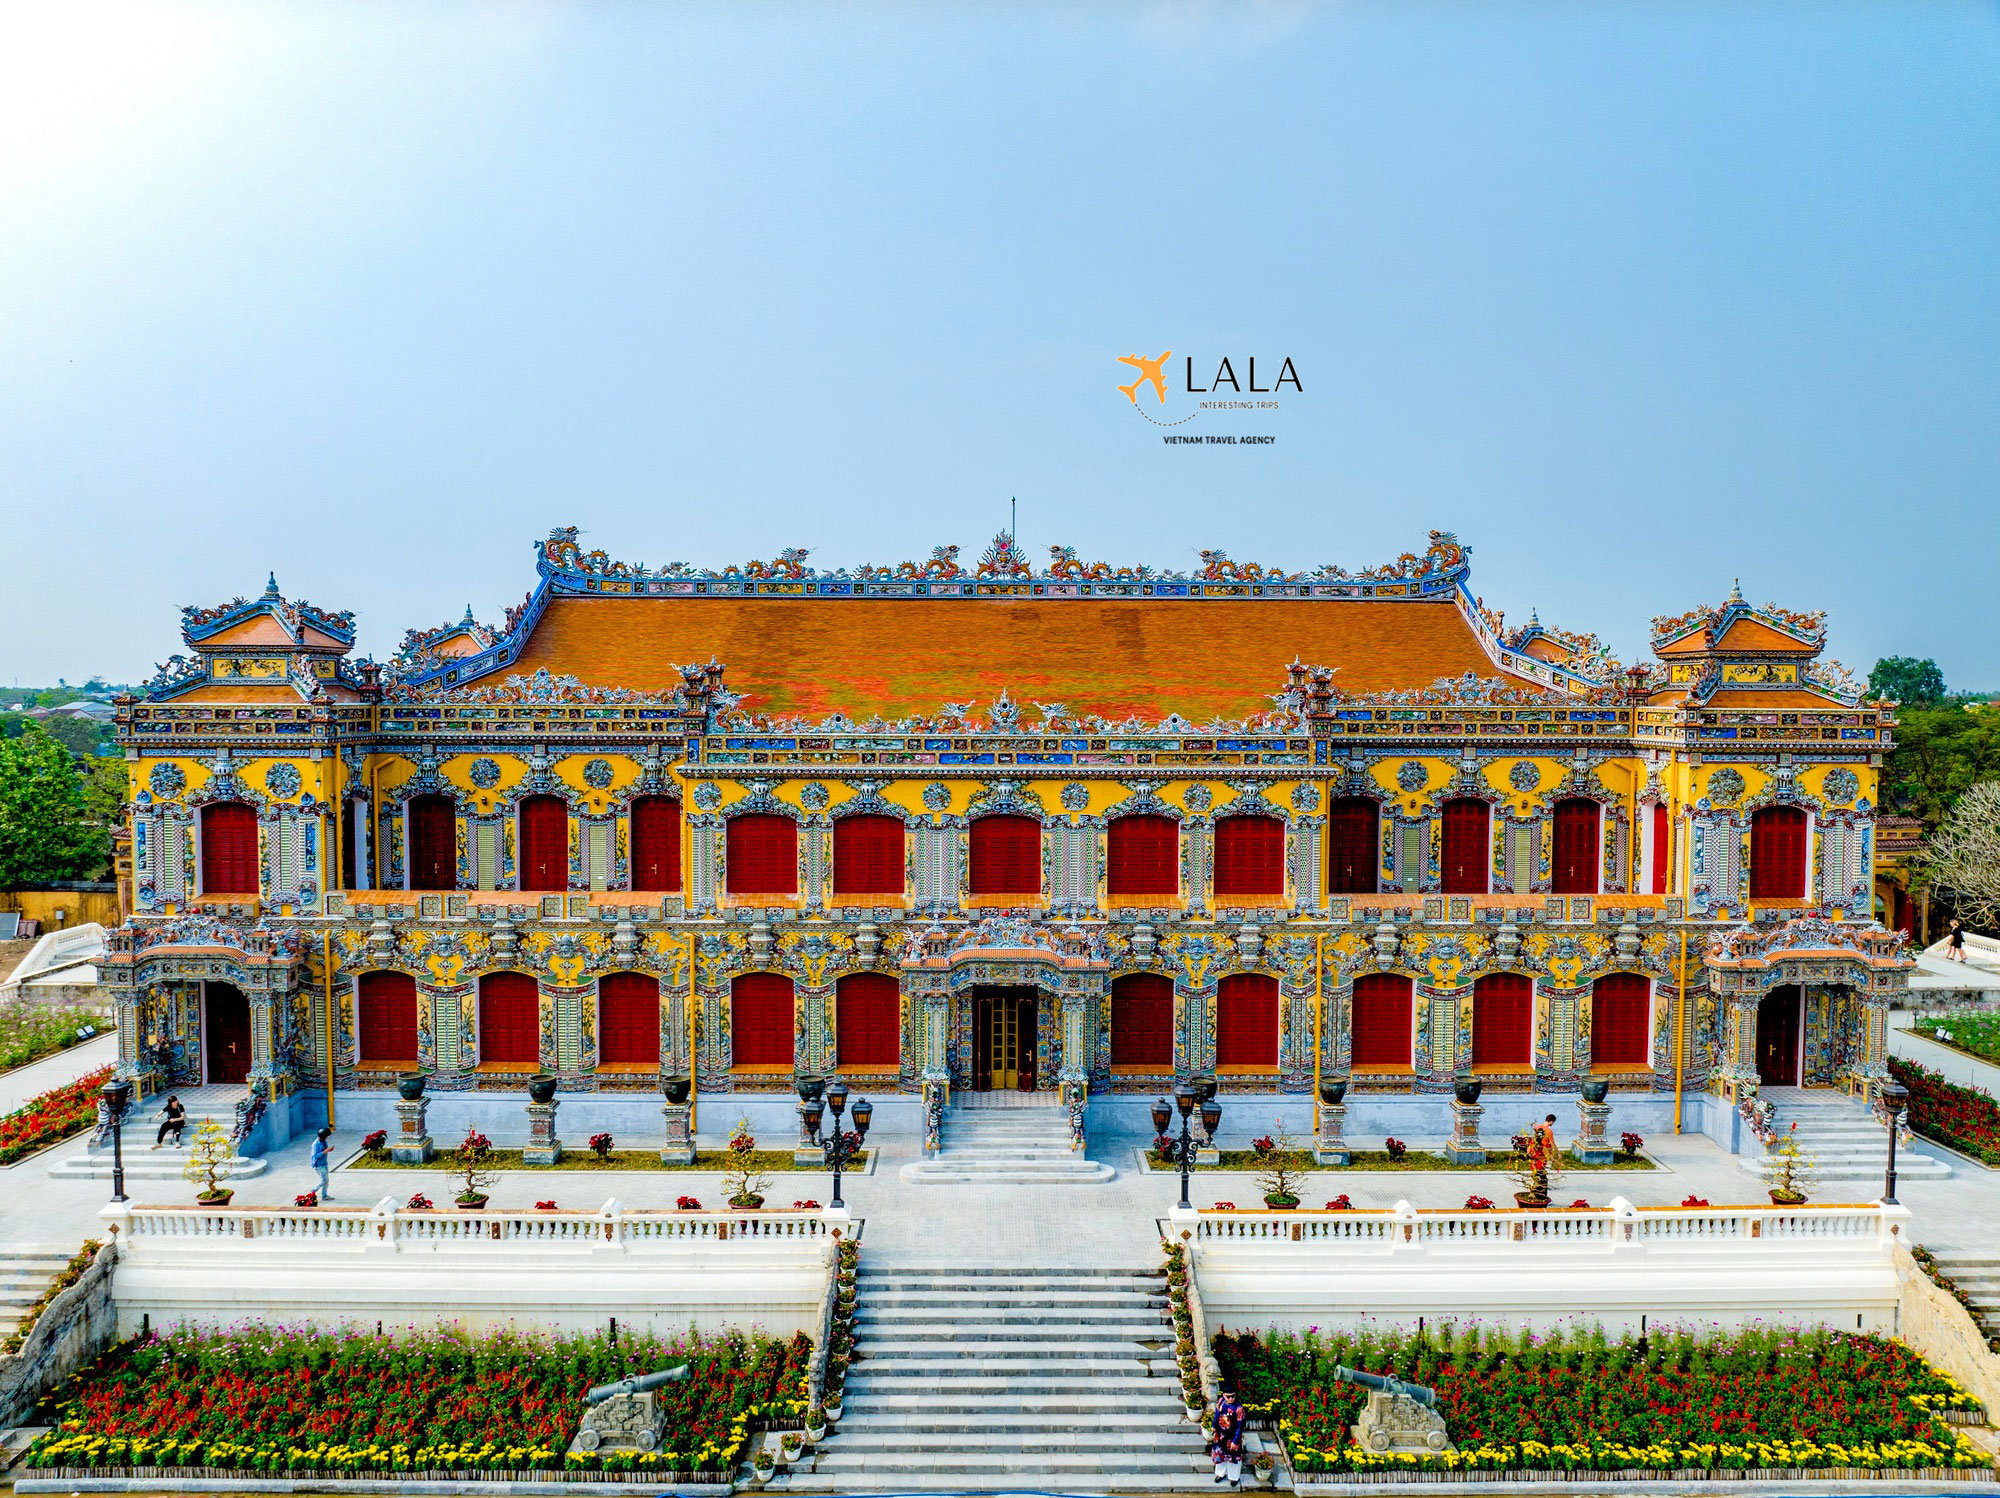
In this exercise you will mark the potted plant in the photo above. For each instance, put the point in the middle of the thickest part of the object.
(745, 1184)
(1466, 1088)
(675, 1089)
(764, 1463)
(472, 1154)
(409, 1085)
(834, 1394)
(1596, 1089)
(208, 1161)
(1279, 1177)
(1531, 1171)
(1791, 1171)
(792, 1445)
(541, 1088)
(815, 1425)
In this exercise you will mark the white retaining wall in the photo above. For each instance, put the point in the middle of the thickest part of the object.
(1828, 1266)
(567, 1271)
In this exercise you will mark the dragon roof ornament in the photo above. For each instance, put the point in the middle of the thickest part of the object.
(542, 689)
(1711, 623)
(294, 615)
(1758, 946)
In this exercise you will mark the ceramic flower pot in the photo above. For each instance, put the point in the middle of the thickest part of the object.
(746, 1203)
(1467, 1089)
(810, 1088)
(1281, 1202)
(1332, 1090)
(410, 1085)
(215, 1198)
(1595, 1089)
(1530, 1201)
(473, 1203)
(541, 1088)
(675, 1090)
(1788, 1199)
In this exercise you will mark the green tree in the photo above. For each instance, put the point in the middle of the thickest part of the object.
(1905, 679)
(80, 736)
(1941, 752)
(46, 830)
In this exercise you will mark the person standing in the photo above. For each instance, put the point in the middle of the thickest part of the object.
(173, 1118)
(319, 1163)
(1955, 941)
(1226, 1450)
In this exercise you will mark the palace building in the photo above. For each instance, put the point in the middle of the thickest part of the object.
(1075, 830)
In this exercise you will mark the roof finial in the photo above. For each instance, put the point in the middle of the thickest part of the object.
(1534, 618)
(1013, 517)
(1736, 591)
(468, 621)
(271, 586)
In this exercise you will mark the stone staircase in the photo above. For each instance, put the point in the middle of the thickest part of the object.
(996, 1380)
(1843, 1140)
(215, 1104)
(25, 1272)
(1022, 1145)
(1978, 1275)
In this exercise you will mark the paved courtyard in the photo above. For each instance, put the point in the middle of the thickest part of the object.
(1110, 1224)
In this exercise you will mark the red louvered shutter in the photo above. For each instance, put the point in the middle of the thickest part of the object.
(544, 847)
(1246, 1020)
(763, 855)
(1353, 845)
(388, 1005)
(1503, 1011)
(760, 1020)
(1573, 870)
(433, 832)
(1382, 1029)
(1621, 1021)
(1778, 853)
(1249, 856)
(510, 1024)
(628, 1019)
(1465, 847)
(1006, 856)
(656, 844)
(866, 1020)
(1142, 1021)
(868, 855)
(228, 849)
(1663, 847)
(1143, 856)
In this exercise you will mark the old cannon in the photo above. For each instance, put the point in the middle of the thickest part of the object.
(626, 1416)
(1399, 1416)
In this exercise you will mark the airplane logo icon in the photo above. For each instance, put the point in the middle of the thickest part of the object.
(1149, 373)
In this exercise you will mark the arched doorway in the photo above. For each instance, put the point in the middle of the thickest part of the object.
(1003, 1039)
(1778, 1026)
(225, 1028)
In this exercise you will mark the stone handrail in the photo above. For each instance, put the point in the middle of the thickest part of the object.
(72, 1329)
(1619, 1224)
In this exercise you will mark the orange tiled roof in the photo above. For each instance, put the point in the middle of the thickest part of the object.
(1748, 634)
(903, 656)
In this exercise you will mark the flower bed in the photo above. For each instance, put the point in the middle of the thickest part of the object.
(1975, 1034)
(1750, 1400)
(51, 1116)
(277, 1400)
(29, 1032)
(1365, 1160)
(1962, 1117)
(616, 1159)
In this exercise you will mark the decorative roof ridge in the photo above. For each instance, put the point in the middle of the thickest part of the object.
(294, 616)
(1712, 622)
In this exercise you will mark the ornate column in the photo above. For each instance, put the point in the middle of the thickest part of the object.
(263, 1078)
(1074, 1078)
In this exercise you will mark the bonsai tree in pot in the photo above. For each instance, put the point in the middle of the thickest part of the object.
(740, 1177)
(1791, 1170)
(1532, 1170)
(472, 1154)
(208, 1161)
(1278, 1177)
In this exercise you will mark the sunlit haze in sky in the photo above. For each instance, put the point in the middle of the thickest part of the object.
(1636, 300)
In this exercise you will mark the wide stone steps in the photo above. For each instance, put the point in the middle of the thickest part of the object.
(25, 1272)
(1844, 1144)
(1007, 1146)
(1978, 1275)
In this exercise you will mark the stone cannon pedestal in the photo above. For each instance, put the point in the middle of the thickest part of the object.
(1390, 1423)
(624, 1422)
(543, 1147)
(679, 1146)
(1464, 1147)
(411, 1145)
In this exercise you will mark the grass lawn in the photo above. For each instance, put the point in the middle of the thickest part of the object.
(28, 1032)
(628, 1160)
(1975, 1034)
(1250, 1160)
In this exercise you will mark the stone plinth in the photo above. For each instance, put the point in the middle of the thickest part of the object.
(1391, 1422)
(1464, 1147)
(679, 1146)
(1329, 1144)
(411, 1145)
(543, 1147)
(809, 1150)
(1591, 1145)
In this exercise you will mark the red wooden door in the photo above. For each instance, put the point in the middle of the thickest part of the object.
(1249, 856)
(760, 1020)
(1621, 1021)
(226, 1027)
(1778, 853)
(762, 855)
(1142, 1021)
(1573, 860)
(388, 1005)
(1143, 856)
(228, 849)
(1353, 845)
(868, 855)
(544, 845)
(433, 833)
(1465, 847)
(1382, 1024)
(1503, 1021)
(1246, 1020)
(628, 1019)
(1006, 856)
(656, 843)
(1778, 1038)
(867, 1020)
(510, 1021)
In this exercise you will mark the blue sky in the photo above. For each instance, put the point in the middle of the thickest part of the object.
(1635, 299)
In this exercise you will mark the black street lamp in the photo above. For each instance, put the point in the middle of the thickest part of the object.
(1894, 1095)
(116, 1094)
(1182, 1151)
(841, 1148)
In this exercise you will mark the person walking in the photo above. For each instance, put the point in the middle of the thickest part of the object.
(1226, 1449)
(173, 1118)
(1954, 941)
(319, 1163)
